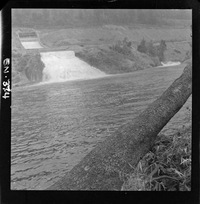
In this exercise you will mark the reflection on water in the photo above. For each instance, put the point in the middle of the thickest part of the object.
(55, 125)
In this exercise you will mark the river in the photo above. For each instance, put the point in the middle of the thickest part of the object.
(55, 125)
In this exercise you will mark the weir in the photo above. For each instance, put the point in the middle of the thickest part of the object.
(64, 66)
(29, 39)
(59, 65)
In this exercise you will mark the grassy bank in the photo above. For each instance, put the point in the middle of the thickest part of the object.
(167, 166)
(112, 62)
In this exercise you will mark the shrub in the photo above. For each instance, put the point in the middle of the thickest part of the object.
(156, 61)
(32, 66)
(122, 47)
(167, 167)
(151, 50)
(142, 47)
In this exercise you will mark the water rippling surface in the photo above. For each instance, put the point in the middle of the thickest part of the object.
(55, 125)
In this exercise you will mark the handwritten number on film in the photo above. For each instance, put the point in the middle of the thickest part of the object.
(6, 84)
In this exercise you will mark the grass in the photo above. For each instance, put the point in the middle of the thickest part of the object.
(167, 166)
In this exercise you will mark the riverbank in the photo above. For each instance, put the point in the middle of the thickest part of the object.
(167, 166)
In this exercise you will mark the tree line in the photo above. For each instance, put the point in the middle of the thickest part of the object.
(95, 17)
(153, 50)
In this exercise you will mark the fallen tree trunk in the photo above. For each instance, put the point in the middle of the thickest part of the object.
(108, 164)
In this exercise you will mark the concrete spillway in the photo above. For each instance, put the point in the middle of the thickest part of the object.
(59, 65)
(30, 39)
(64, 66)
(32, 45)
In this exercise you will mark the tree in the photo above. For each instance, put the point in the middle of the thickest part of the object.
(151, 50)
(161, 50)
(106, 166)
(142, 46)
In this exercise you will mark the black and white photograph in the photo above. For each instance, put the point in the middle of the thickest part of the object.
(101, 99)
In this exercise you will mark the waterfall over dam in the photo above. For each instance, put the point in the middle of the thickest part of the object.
(64, 65)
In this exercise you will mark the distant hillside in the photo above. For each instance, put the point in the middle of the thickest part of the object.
(72, 18)
(109, 34)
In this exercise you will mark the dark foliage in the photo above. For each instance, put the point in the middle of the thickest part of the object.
(153, 50)
(122, 47)
(32, 66)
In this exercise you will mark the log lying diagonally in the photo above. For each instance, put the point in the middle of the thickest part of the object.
(105, 167)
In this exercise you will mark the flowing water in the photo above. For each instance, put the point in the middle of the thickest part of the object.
(55, 125)
(64, 66)
(168, 64)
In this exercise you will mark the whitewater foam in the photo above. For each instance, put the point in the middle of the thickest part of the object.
(64, 66)
(170, 63)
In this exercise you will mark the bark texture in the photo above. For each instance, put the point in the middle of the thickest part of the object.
(106, 166)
